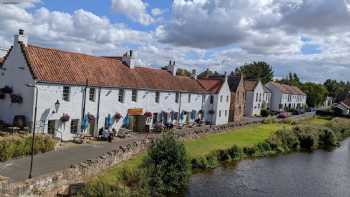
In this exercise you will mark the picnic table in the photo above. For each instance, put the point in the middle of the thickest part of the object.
(14, 129)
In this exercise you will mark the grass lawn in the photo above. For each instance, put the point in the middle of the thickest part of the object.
(245, 136)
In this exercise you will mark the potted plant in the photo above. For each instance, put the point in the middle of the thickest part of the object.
(117, 116)
(148, 114)
(65, 117)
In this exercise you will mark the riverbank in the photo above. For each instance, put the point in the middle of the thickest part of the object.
(197, 148)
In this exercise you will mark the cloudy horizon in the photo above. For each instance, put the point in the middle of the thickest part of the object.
(308, 37)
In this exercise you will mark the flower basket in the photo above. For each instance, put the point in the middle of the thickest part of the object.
(148, 114)
(7, 90)
(91, 117)
(65, 118)
(16, 98)
(117, 116)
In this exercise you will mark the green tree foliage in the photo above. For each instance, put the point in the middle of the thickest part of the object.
(256, 71)
(183, 72)
(167, 168)
(292, 79)
(207, 73)
(338, 90)
(316, 93)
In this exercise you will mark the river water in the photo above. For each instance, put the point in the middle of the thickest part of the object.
(317, 174)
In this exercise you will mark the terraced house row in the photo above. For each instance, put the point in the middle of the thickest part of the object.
(74, 93)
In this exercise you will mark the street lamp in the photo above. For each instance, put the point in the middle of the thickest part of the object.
(33, 127)
(57, 105)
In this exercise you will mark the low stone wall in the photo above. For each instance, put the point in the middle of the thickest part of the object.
(58, 182)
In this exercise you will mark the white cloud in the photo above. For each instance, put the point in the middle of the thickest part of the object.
(134, 9)
(156, 12)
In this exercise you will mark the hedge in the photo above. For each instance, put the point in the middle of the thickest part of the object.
(17, 146)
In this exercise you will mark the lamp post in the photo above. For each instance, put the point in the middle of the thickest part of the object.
(33, 128)
(57, 105)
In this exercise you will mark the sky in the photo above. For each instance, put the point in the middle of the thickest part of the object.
(309, 37)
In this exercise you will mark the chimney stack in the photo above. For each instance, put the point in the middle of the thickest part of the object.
(128, 59)
(21, 38)
(194, 74)
(172, 68)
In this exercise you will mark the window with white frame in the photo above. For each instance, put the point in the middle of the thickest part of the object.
(134, 95)
(92, 94)
(219, 113)
(121, 95)
(74, 126)
(221, 97)
(189, 98)
(225, 113)
(66, 93)
(157, 97)
(227, 98)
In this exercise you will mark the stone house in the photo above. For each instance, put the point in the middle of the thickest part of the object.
(237, 104)
(78, 93)
(286, 97)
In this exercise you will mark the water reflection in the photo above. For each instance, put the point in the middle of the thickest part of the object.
(321, 173)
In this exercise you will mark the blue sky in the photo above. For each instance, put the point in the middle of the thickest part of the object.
(305, 37)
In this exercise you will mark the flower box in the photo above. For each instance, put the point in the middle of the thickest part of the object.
(148, 114)
(117, 116)
(65, 118)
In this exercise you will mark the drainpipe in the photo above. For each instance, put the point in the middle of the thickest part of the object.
(98, 108)
(179, 112)
(84, 100)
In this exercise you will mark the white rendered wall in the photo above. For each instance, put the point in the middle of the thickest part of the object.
(222, 105)
(255, 100)
(15, 73)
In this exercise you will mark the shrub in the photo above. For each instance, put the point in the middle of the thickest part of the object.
(14, 146)
(284, 140)
(269, 120)
(102, 189)
(223, 155)
(208, 162)
(166, 166)
(327, 138)
(235, 152)
(308, 137)
(250, 151)
(341, 127)
(264, 113)
(263, 148)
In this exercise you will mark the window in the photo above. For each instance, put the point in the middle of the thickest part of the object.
(203, 98)
(211, 99)
(121, 95)
(92, 93)
(66, 93)
(177, 95)
(227, 97)
(157, 97)
(189, 98)
(155, 118)
(257, 97)
(74, 126)
(219, 113)
(134, 95)
(226, 113)
(221, 98)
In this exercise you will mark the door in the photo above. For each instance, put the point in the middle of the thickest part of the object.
(51, 127)
(92, 127)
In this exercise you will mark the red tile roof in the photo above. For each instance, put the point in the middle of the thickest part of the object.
(211, 85)
(287, 89)
(346, 102)
(56, 66)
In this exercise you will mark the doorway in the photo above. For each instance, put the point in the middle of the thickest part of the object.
(92, 127)
(51, 127)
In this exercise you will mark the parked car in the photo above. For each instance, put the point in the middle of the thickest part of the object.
(282, 115)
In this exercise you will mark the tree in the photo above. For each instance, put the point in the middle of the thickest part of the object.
(208, 73)
(292, 79)
(316, 93)
(338, 90)
(183, 72)
(166, 166)
(257, 71)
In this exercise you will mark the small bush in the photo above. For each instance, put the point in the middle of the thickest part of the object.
(250, 151)
(16, 146)
(308, 137)
(102, 189)
(264, 113)
(166, 166)
(207, 162)
(327, 138)
(235, 152)
(263, 148)
(223, 155)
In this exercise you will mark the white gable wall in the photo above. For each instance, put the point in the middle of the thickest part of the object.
(222, 104)
(15, 73)
(255, 100)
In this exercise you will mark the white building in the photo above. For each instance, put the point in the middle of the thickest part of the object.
(80, 93)
(257, 97)
(285, 97)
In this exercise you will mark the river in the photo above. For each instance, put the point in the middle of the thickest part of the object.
(318, 174)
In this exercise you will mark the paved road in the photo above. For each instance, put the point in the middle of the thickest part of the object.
(17, 170)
